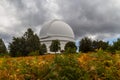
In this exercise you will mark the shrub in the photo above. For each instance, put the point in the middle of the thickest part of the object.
(111, 49)
(66, 67)
(70, 50)
(104, 67)
(36, 53)
(4, 55)
(70, 47)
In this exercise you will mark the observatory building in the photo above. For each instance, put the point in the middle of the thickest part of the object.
(56, 30)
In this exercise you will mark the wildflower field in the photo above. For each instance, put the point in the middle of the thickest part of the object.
(82, 66)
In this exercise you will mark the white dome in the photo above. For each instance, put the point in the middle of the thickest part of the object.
(56, 29)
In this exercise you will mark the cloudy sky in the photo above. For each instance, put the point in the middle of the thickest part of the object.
(98, 19)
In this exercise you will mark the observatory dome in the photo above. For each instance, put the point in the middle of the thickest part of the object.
(58, 29)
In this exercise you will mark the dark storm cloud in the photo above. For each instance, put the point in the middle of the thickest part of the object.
(30, 13)
(98, 18)
(6, 37)
(91, 17)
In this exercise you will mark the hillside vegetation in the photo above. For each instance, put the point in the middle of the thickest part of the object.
(91, 66)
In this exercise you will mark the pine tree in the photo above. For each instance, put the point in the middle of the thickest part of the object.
(117, 44)
(70, 47)
(86, 45)
(22, 46)
(43, 49)
(2, 47)
(55, 46)
(17, 47)
(100, 44)
(32, 41)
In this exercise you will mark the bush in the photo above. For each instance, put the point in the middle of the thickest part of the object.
(104, 66)
(91, 66)
(66, 67)
(4, 55)
(36, 53)
(111, 49)
(70, 50)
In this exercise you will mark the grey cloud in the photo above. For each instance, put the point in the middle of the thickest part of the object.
(96, 17)
(91, 17)
(28, 15)
(19, 4)
(6, 37)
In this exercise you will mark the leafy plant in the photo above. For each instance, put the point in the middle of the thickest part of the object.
(66, 67)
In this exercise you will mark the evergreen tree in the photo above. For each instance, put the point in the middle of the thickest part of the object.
(117, 44)
(55, 46)
(86, 45)
(100, 44)
(111, 49)
(32, 41)
(17, 47)
(43, 49)
(95, 44)
(2, 47)
(70, 47)
(103, 45)
(22, 46)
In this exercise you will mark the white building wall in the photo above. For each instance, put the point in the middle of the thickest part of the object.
(63, 43)
(48, 43)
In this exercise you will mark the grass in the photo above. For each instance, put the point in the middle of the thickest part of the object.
(91, 66)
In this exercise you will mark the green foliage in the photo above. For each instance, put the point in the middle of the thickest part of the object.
(32, 41)
(115, 47)
(43, 49)
(117, 44)
(2, 47)
(104, 66)
(117, 51)
(93, 66)
(17, 47)
(100, 54)
(35, 53)
(5, 55)
(55, 46)
(70, 50)
(23, 69)
(66, 67)
(70, 47)
(100, 44)
(22, 46)
(86, 45)
(111, 49)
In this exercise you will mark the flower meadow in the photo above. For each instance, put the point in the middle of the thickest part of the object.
(98, 65)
